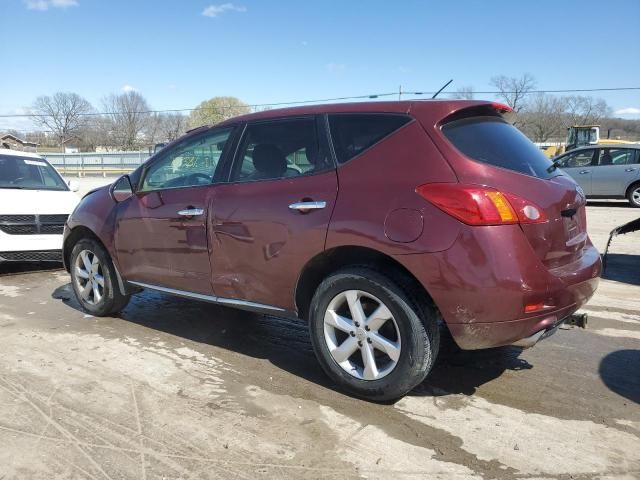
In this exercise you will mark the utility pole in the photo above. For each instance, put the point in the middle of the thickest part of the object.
(400, 92)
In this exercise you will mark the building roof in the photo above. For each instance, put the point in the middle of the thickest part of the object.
(9, 136)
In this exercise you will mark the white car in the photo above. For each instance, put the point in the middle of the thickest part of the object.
(35, 202)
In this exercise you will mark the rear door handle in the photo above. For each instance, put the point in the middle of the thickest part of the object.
(629, 169)
(191, 212)
(306, 206)
(583, 172)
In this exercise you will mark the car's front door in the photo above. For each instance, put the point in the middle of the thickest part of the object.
(579, 166)
(615, 170)
(272, 216)
(161, 231)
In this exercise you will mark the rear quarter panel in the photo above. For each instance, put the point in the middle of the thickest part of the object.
(377, 206)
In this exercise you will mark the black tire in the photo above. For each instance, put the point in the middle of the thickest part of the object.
(634, 195)
(111, 301)
(417, 325)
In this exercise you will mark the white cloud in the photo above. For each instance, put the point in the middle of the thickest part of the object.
(628, 111)
(128, 88)
(43, 5)
(336, 67)
(216, 10)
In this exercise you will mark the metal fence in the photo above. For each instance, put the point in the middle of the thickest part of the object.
(101, 164)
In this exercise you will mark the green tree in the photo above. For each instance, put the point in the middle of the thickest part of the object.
(216, 110)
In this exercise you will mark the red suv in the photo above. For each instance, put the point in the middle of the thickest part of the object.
(381, 224)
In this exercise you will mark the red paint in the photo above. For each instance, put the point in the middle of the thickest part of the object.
(250, 246)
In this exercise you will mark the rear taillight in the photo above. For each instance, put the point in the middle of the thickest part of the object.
(477, 205)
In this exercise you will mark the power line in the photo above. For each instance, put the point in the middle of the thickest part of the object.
(334, 99)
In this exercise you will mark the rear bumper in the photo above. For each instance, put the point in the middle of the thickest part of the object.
(483, 282)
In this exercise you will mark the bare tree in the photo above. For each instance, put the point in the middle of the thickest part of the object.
(98, 131)
(463, 93)
(216, 110)
(63, 113)
(586, 110)
(165, 127)
(172, 126)
(129, 113)
(514, 91)
(544, 117)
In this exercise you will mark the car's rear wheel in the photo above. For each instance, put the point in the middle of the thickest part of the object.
(634, 195)
(93, 279)
(370, 336)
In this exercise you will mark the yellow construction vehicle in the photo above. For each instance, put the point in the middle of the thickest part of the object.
(581, 135)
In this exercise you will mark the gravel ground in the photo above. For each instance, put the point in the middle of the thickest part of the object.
(178, 389)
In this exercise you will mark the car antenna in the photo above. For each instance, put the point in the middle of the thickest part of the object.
(443, 87)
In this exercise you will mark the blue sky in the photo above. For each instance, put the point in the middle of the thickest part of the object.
(178, 53)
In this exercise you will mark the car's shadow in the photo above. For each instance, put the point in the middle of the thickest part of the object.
(623, 268)
(609, 203)
(285, 342)
(620, 371)
(11, 268)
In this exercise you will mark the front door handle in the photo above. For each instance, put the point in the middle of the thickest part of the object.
(191, 212)
(583, 172)
(306, 206)
(629, 169)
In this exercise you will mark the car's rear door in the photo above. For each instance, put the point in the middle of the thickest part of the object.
(580, 165)
(272, 216)
(615, 170)
(161, 232)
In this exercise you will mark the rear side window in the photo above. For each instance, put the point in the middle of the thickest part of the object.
(353, 133)
(616, 156)
(492, 140)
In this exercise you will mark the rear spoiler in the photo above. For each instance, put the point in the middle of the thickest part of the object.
(495, 108)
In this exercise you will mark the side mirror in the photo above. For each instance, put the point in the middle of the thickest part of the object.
(74, 186)
(121, 189)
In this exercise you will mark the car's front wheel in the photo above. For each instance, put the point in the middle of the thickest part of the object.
(93, 279)
(370, 336)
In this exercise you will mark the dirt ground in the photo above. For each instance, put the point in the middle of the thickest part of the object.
(178, 389)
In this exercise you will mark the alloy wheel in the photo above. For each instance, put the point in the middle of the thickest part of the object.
(89, 277)
(362, 335)
(635, 196)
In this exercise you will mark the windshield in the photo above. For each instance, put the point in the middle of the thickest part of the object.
(29, 174)
(492, 140)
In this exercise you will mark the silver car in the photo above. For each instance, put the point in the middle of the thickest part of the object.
(605, 171)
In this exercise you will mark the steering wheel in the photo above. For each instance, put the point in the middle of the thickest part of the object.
(191, 179)
(188, 180)
(18, 180)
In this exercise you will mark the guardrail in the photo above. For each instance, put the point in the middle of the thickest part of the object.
(92, 164)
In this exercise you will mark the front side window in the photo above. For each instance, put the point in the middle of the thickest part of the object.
(579, 159)
(29, 174)
(353, 133)
(191, 163)
(616, 156)
(280, 149)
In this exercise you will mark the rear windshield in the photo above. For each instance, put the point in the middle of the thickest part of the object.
(494, 141)
(25, 173)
